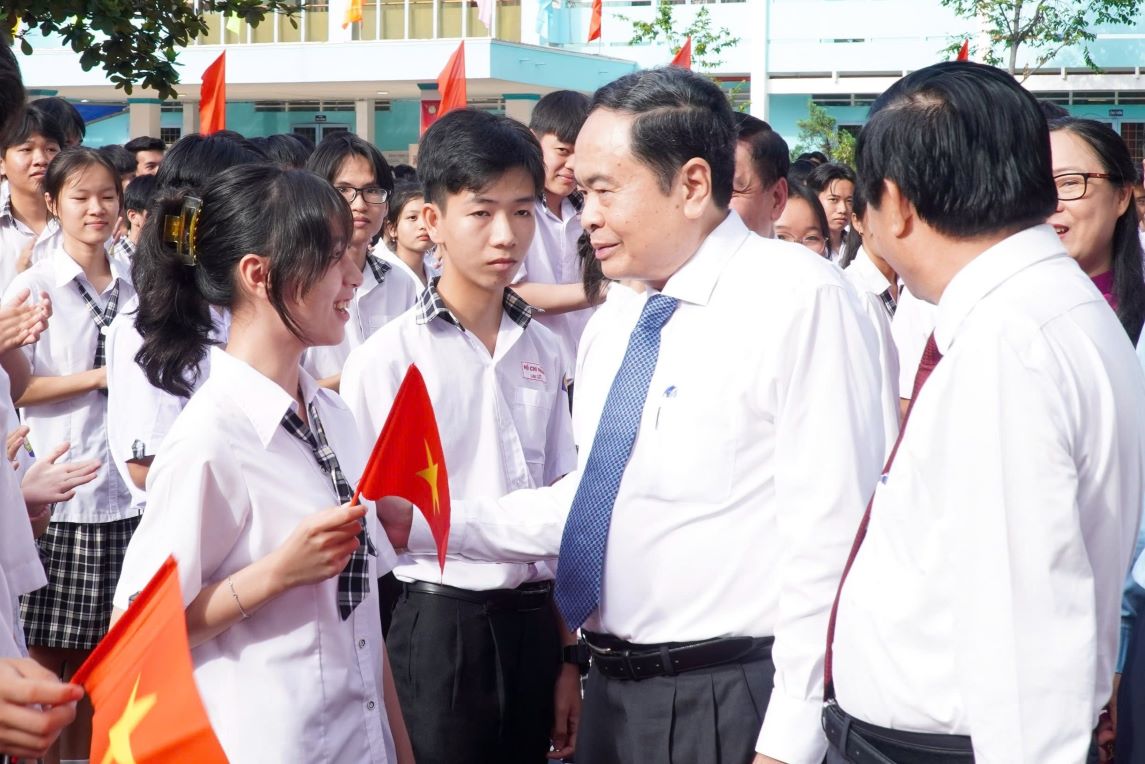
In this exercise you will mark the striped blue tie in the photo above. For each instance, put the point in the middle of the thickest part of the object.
(581, 567)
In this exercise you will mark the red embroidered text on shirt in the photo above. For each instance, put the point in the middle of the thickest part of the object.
(532, 371)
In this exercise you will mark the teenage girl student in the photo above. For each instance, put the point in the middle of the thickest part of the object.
(251, 490)
(803, 220)
(361, 176)
(405, 234)
(66, 401)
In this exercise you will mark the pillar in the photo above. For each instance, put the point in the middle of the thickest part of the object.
(519, 106)
(143, 117)
(364, 119)
(190, 117)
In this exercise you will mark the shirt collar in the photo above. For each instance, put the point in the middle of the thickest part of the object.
(569, 209)
(868, 273)
(696, 279)
(5, 201)
(431, 306)
(986, 272)
(376, 267)
(65, 269)
(260, 398)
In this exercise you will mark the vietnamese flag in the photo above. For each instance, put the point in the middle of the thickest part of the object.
(964, 51)
(407, 460)
(594, 21)
(213, 97)
(353, 13)
(139, 679)
(683, 57)
(451, 82)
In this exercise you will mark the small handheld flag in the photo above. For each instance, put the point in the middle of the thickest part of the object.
(683, 57)
(408, 461)
(964, 51)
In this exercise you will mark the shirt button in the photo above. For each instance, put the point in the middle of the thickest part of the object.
(370, 705)
(361, 643)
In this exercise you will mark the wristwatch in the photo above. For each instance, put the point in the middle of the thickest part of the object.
(577, 655)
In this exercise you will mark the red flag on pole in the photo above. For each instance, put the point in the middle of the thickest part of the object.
(964, 51)
(140, 680)
(594, 22)
(408, 461)
(451, 82)
(683, 57)
(213, 97)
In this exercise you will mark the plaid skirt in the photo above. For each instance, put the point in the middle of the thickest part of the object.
(83, 562)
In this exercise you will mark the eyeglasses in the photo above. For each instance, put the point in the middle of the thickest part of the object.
(1073, 185)
(372, 194)
(811, 241)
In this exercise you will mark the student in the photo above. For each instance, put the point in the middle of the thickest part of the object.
(66, 116)
(803, 221)
(148, 153)
(759, 190)
(66, 401)
(407, 241)
(550, 278)
(251, 490)
(360, 174)
(137, 198)
(721, 472)
(484, 691)
(123, 161)
(24, 220)
(834, 184)
(979, 619)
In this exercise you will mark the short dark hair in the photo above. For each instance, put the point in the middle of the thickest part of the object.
(145, 143)
(335, 149)
(800, 191)
(769, 152)
(11, 90)
(560, 113)
(816, 158)
(290, 216)
(33, 121)
(119, 156)
(404, 172)
(75, 159)
(819, 179)
(966, 145)
(678, 116)
(405, 191)
(798, 172)
(195, 159)
(66, 116)
(288, 150)
(466, 150)
(140, 192)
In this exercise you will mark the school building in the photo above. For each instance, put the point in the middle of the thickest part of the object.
(376, 76)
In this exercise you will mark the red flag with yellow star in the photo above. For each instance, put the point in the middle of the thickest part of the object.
(407, 460)
(147, 708)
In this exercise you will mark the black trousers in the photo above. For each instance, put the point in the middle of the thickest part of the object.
(1130, 745)
(709, 716)
(475, 682)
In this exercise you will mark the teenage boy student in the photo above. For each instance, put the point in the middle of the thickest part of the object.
(148, 153)
(24, 220)
(477, 650)
(136, 199)
(550, 278)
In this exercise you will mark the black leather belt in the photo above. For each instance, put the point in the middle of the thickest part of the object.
(618, 659)
(863, 743)
(527, 597)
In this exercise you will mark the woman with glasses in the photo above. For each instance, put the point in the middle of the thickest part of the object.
(803, 220)
(361, 175)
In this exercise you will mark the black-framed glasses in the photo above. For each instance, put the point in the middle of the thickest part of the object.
(1073, 185)
(372, 194)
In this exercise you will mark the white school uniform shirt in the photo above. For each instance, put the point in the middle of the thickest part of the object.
(503, 418)
(384, 295)
(431, 266)
(294, 681)
(15, 237)
(879, 306)
(910, 328)
(68, 347)
(985, 598)
(552, 259)
(750, 472)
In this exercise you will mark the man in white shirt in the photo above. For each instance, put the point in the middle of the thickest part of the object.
(979, 619)
(739, 464)
(25, 153)
(759, 189)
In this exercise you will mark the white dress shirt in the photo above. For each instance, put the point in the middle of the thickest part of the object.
(376, 302)
(873, 286)
(985, 598)
(911, 327)
(431, 266)
(750, 472)
(503, 418)
(294, 681)
(68, 347)
(552, 259)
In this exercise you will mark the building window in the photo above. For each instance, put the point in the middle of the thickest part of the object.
(170, 135)
(1133, 133)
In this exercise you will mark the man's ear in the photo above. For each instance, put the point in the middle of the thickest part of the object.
(898, 211)
(695, 187)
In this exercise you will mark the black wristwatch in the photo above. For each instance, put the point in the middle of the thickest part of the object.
(577, 655)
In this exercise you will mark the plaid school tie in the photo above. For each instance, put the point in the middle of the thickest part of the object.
(101, 318)
(581, 568)
(354, 580)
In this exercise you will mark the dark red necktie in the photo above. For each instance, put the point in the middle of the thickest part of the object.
(930, 359)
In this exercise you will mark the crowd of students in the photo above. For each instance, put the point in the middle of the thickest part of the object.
(662, 418)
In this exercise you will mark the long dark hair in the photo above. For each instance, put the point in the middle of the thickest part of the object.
(292, 217)
(854, 239)
(1128, 273)
(404, 192)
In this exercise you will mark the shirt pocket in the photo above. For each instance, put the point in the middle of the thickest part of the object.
(692, 447)
(531, 409)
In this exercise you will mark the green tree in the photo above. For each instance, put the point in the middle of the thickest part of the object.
(706, 42)
(820, 132)
(136, 42)
(1043, 27)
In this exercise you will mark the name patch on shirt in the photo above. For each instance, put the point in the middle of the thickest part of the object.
(532, 371)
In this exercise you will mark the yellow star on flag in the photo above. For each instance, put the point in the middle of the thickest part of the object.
(119, 736)
(429, 475)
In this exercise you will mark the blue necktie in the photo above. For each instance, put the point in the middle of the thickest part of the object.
(581, 567)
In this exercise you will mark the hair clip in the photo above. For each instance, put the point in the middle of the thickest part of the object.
(180, 229)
